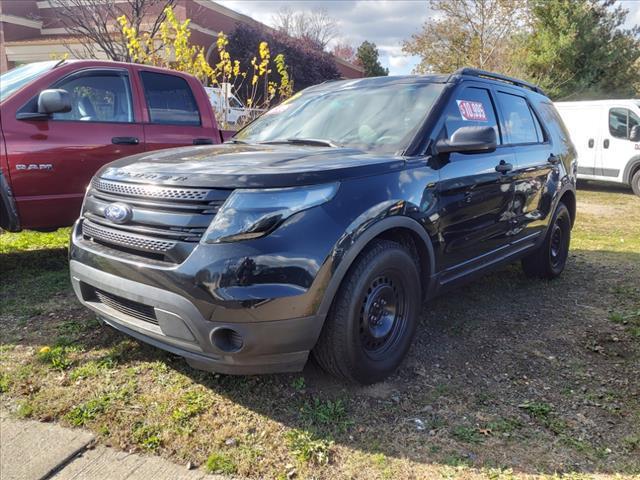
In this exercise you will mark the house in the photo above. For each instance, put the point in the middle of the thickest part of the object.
(32, 30)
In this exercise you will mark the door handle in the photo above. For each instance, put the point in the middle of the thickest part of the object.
(553, 160)
(203, 141)
(605, 144)
(125, 140)
(592, 142)
(504, 167)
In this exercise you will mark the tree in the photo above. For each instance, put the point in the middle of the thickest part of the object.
(93, 23)
(469, 33)
(305, 63)
(173, 49)
(578, 49)
(344, 51)
(315, 26)
(367, 56)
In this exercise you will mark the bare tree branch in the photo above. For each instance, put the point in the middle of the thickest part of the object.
(94, 24)
(316, 26)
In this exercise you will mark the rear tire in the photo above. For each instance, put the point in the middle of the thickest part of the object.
(635, 183)
(549, 260)
(374, 316)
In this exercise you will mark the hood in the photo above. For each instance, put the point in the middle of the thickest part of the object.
(249, 166)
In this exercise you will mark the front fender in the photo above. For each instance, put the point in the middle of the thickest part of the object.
(10, 220)
(364, 229)
(631, 166)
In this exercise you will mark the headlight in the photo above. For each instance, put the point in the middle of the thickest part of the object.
(253, 213)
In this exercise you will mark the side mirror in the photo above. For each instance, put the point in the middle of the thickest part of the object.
(54, 101)
(634, 134)
(469, 140)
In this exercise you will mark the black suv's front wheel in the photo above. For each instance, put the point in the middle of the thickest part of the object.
(374, 315)
(549, 260)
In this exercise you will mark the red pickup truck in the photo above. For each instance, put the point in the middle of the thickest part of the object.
(61, 121)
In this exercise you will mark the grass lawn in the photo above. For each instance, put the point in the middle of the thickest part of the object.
(508, 377)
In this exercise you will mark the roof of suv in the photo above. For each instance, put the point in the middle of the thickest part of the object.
(433, 78)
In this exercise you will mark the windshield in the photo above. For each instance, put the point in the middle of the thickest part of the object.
(379, 118)
(20, 76)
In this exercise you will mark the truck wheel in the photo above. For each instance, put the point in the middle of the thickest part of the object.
(549, 260)
(635, 183)
(373, 318)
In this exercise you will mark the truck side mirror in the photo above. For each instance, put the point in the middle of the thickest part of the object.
(54, 101)
(469, 140)
(634, 134)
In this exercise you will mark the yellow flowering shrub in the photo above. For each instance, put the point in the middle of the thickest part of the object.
(173, 50)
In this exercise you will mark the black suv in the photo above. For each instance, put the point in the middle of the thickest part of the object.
(323, 225)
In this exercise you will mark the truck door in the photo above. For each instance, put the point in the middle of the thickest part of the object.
(617, 147)
(52, 161)
(174, 116)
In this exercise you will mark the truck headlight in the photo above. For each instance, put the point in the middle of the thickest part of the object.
(252, 213)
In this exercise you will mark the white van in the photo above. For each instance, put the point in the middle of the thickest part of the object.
(606, 134)
(229, 109)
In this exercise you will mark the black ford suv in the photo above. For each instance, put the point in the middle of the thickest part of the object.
(322, 226)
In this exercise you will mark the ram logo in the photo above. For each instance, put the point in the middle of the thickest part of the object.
(34, 166)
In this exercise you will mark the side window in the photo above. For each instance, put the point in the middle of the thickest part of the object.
(552, 118)
(519, 124)
(470, 107)
(98, 97)
(234, 103)
(169, 99)
(621, 121)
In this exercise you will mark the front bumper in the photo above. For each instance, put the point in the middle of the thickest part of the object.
(179, 327)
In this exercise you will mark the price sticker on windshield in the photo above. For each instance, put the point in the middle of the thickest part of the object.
(472, 111)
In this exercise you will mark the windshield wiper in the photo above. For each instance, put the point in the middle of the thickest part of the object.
(319, 142)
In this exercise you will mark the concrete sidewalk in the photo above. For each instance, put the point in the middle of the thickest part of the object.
(32, 450)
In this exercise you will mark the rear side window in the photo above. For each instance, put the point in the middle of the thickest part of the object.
(552, 118)
(519, 124)
(470, 107)
(97, 97)
(621, 121)
(169, 100)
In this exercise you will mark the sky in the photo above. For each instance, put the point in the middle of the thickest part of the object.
(385, 22)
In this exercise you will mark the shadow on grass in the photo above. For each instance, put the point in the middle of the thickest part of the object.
(500, 373)
(483, 355)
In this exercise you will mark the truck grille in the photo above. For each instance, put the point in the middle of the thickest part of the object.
(128, 307)
(165, 222)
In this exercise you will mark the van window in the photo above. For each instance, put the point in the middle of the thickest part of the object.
(234, 103)
(518, 121)
(169, 99)
(97, 97)
(621, 121)
(471, 107)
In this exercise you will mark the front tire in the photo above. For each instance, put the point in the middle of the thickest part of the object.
(549, 260)
(374, 316)
(635, 183)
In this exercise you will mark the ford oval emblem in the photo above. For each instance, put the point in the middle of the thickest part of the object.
(118, 212)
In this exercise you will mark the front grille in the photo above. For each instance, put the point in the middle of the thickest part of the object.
(133, 309)
(150, 191)
(137, 242)
(166, 222)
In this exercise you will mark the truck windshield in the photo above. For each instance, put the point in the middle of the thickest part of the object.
(17, 77)
(372, 117)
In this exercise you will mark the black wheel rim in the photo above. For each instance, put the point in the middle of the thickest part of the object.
(558, 246)
(383, 314)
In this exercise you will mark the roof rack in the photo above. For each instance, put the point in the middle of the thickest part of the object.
(496, 76)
